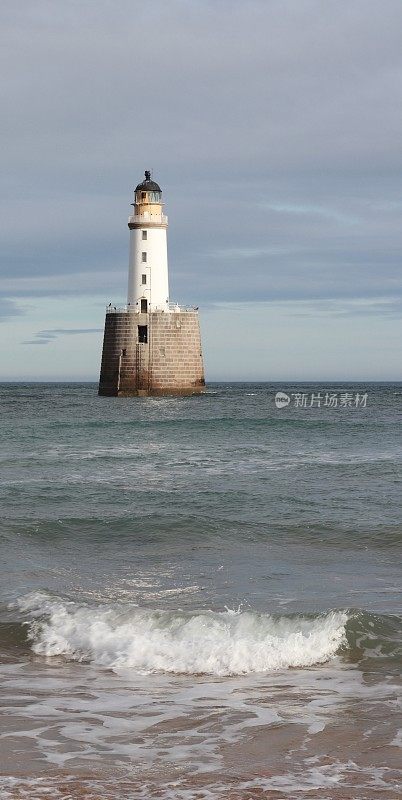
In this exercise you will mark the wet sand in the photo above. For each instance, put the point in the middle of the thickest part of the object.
(328, 732)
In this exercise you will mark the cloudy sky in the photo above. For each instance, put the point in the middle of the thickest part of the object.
(274, 128)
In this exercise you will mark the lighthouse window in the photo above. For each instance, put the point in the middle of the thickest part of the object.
(143, 195)
(144, 257)
(145, 234)
(143, 334)
(144, 278)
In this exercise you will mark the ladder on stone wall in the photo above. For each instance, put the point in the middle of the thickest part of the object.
(143, 361)
(137, 366)
(149, 370)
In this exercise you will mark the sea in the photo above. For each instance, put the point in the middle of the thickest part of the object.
(201, 597)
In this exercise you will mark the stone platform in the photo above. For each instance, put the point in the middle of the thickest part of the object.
(158, 353)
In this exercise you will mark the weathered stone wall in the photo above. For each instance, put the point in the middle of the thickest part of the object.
(169, 363)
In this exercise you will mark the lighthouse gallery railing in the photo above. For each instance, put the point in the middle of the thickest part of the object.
(175, 307)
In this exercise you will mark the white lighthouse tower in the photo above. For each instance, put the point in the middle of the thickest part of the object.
(148, 281)
(150, 346)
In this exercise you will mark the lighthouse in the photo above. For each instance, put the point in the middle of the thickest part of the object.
(148, 280)
(151, 346)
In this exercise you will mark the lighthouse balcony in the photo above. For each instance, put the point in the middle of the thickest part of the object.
(148, 219)
(171, 307)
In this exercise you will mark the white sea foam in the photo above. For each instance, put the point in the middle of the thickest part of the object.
(144, 640)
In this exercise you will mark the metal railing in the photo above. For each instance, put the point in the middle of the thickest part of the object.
(137, 219)
(171, 307)
(177, 307)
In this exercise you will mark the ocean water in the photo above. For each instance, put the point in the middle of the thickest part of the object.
(201, 597)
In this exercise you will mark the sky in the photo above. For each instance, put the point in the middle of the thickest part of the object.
(274, 129)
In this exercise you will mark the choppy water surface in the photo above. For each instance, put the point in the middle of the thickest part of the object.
(201, 597)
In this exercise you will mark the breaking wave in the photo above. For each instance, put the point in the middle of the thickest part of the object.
(200, 642)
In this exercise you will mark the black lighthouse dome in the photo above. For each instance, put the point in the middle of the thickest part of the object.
(148, 185)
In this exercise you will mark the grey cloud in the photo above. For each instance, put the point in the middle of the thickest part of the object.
(53, 332)
(36, 341)
(8, 308)
(46, 336)
(357, 307)
(274, 129)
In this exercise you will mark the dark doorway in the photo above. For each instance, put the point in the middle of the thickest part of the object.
(143, 333)
(144, 306)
